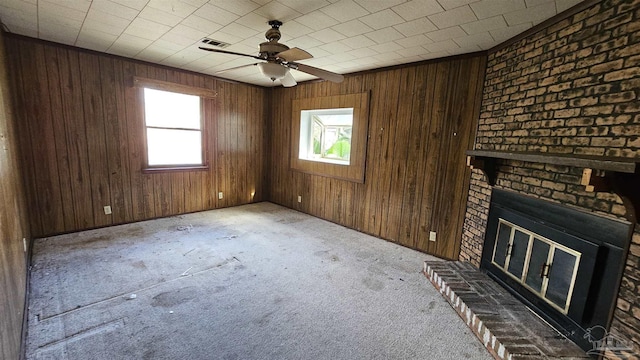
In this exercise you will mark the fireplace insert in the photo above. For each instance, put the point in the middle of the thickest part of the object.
(565, 264)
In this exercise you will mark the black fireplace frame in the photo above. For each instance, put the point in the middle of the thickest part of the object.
(603, 242)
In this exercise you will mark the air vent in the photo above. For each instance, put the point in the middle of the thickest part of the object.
(216, 43)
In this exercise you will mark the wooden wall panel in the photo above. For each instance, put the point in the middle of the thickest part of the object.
(422, 119)
(13, 223)
(82, 143)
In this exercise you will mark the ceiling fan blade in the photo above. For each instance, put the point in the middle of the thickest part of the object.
(294, 54)
(288, 80)
(323, 74)
(229, 52)
(235, 68)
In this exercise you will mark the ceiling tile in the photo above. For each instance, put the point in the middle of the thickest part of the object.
(146, 29)
(532, 3)
(225, 37)
(153, 54)
(16, 28)
(352, 28)
(363, 52)
(216, 14)
(388, 56)
(412, 51)
(58, 33)
(132, 41)
(132, 4)
(451, 4)
(562, 5)
(292, 29)
(238, 7)
(534, 14)
(105, 23)
(238, 30)
(96, 37)
(276, 11)
(377, 5)
(417, 8)
(435, 55)
(481, 41)
(202, 24)
(441, 46)
(386, 47)
(382, 19)
(317, 20)
(384, 35)
(166, 46)
(488, 8)
(457, 16)
(344, 10)
(335, 48)
(358, 42)
(19, 15)
(304, 42)
(184, 35)
(415, 27)
(503, 34)
(327, 35)
(339, 58)
(448, 33)
(159, 16)
(58, 14)
(493, 23)
(254, 21)
(113, 8)
(414, 41)
(183, 57)
(304, 6)
(318, 61)
(173, 7)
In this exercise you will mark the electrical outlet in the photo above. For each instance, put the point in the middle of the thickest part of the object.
(107, 210)
(24, 244)
(299, 198)
(432, 236)
(220, 195)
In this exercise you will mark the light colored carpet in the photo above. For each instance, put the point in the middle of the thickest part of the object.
(252, 282)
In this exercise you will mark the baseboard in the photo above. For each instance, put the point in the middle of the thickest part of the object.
(25, 310)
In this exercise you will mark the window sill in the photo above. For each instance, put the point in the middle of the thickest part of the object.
(155, 170)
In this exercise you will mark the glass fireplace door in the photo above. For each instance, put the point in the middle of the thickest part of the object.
(543, 266)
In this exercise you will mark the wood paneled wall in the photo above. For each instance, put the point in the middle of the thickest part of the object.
(81, 140)
(13, 225)
(422, 120)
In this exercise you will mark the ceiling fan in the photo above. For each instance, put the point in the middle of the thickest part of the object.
(279, 58)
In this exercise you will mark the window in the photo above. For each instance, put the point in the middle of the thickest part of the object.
(173, 129)
(329, 136)
(325, 135)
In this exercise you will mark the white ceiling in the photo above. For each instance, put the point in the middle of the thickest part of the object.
(343, 35)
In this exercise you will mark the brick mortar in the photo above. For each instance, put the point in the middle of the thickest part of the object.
(573, 87)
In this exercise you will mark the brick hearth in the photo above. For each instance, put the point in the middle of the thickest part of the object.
(506, 327)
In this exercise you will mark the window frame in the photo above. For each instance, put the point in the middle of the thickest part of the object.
(204, 95)
(355, 170)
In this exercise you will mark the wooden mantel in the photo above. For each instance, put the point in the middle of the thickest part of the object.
(599, 174)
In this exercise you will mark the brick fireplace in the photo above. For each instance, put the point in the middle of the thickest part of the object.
(572, 87)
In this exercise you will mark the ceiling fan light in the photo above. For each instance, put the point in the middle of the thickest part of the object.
(272, 71)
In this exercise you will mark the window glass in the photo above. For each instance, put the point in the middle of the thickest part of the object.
(173, 129)
(325, 135)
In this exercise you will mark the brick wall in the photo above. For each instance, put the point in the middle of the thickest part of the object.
(573, 87)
